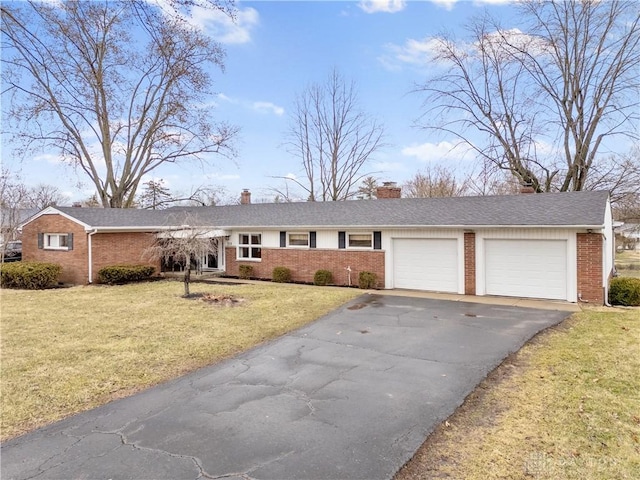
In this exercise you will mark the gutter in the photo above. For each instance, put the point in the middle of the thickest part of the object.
(90, 254)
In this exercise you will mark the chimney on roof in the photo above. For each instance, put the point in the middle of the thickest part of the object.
(245, 197)
(527, 188)
(388, 190)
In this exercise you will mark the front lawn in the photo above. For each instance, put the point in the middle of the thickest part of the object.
(69, 350)
(628, 263)
(566, 406)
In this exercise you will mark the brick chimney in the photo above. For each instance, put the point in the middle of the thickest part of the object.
(388, 190)
(245, 197)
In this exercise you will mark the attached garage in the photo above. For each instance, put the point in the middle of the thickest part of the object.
(526, 268)
(426, 264)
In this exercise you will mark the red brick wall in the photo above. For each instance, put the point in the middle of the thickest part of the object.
(469, 263)
(123, 248)
(108, 248)
(73, 262)
(305, 263)
(590, 267)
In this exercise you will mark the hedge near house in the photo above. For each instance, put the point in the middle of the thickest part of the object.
(367, 280)
(625, 291)
(29, 275)
(323, 277)
(245, 271)
(281, 275)
(120, 274)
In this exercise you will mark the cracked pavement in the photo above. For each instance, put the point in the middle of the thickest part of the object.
(350, 396)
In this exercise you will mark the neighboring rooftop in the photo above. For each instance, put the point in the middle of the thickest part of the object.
(549, 209)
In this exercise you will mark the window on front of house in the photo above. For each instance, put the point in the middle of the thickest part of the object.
(57, 241)
(298, 239)
(250, 246)
(359, 240)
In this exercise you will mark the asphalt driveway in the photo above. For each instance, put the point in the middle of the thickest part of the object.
(351, 396)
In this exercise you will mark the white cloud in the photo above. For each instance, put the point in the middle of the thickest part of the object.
(290, 176)
(49, 158)
(387, 6)
(222, 176)
(432, 152)
(223, 28)
(257, 106)
(449, 4)
(446, 4)
(387, 167)
(268, 107)
(416, 53)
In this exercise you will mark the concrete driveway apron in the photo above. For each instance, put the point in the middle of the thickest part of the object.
(351, 396)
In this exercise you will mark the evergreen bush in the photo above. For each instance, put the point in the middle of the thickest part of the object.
(281, 275)
(120, 274)
(29, 275)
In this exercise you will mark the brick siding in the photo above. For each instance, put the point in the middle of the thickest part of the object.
(590, 268)
(108, 248)
(126, 248)
(305, 263)
(469, 263)
(73, 262)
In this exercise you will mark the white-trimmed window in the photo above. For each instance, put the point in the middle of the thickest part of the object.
(56, 241)
(250, 246)
(298, 239)
(359, 240)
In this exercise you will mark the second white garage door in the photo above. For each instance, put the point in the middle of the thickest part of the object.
(426, 264)
(526, 268)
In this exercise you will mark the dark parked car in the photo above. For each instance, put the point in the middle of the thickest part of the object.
(12, 251)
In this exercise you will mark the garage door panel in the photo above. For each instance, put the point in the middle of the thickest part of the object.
(526, 268)
(426, 264)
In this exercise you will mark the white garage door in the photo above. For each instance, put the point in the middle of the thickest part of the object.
(426, 264)
(526, 268)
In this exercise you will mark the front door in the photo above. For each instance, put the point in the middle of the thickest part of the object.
(215, 260)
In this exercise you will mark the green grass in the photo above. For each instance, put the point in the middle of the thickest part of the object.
(628, 263)
(69, 350)
(566, 407)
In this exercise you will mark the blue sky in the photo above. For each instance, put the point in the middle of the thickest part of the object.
(274, 51)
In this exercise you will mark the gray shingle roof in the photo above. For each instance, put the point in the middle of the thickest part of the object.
(549, 209)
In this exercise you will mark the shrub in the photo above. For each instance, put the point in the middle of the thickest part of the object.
(367, 280)
(281, 275)
(323, 277)
(625, 291)
(119, 274)
(29, 275)
(245, 271)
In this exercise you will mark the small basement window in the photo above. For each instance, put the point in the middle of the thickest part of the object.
(250, 246)
(360, 240)
(298, 239)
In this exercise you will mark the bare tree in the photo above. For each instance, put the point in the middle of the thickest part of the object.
(18, 202)
(13, 195)
(44, 195)
(333, 139)
(619, 174)
(539, 102)
(117, 87)
(186, 244)
(436, 181)
(491, 180)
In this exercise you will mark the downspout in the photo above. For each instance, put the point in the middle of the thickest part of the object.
(90, 269)
(606, 280)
